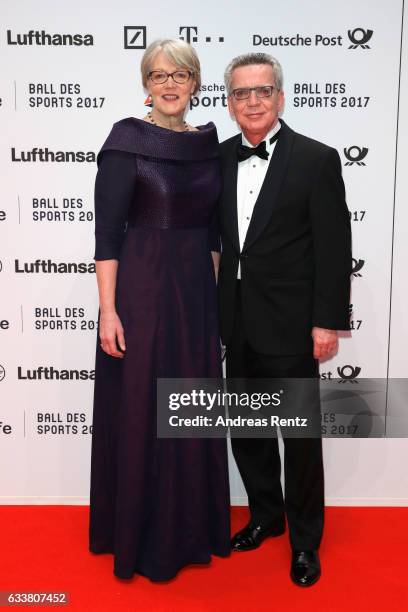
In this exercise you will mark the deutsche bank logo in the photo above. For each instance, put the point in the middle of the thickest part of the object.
(2, 372)
(135, 37)
(359, 38)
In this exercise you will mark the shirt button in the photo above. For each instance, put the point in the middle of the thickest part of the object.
(247, 218)
(254, 166)
(251, 192)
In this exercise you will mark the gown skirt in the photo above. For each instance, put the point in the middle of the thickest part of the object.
(157, 504)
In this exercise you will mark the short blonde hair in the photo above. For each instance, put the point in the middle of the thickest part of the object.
(181, 53)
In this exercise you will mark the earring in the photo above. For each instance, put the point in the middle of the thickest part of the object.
(149, 101)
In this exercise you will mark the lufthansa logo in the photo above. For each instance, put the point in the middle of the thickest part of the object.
(39, 154)
(359, 38)
(357, 265)
(2, 373)
(134, 37)
(348, 373)
(47, 266)
(355, 155)
(42, 38)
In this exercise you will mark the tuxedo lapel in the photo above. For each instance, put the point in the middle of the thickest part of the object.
(268, 195)
(229, 210)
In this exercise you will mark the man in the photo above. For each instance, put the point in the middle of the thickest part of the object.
(284, 292)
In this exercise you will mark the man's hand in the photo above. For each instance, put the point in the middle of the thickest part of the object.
(325, 342)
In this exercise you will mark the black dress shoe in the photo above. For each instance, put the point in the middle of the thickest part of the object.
(253, 535)
(305, 569)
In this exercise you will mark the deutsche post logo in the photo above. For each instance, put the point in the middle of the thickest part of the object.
(355, 155)
(348, 373)
(357, 265)
(359, 38)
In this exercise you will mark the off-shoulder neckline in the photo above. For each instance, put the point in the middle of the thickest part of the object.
(200, 128)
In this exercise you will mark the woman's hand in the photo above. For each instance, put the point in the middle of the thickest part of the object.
(111, 334)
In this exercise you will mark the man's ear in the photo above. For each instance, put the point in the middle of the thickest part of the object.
(281, 101)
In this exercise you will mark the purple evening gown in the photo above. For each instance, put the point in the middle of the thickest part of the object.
(157, 504)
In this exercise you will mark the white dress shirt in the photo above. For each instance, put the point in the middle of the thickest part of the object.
(251, 175)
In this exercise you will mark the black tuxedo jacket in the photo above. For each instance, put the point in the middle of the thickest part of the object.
(296, 259)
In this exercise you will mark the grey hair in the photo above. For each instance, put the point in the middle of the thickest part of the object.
(179, 52)
(251, 59)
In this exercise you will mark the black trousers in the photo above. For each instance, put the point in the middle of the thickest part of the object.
(258, 459)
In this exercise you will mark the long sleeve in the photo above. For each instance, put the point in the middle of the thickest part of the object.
(114, 188)
(332, 245)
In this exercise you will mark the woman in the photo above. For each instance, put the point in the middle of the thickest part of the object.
(156, 504)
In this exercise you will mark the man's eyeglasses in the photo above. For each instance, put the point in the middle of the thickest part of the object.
(179, 76)
(263, 91)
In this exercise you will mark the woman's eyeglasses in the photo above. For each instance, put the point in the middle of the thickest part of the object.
(179, 76)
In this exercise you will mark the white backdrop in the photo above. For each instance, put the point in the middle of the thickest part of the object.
(341, 62)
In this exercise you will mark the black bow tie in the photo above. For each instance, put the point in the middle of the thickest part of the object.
(244, 152)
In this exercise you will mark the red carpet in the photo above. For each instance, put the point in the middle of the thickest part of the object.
(364, 563)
